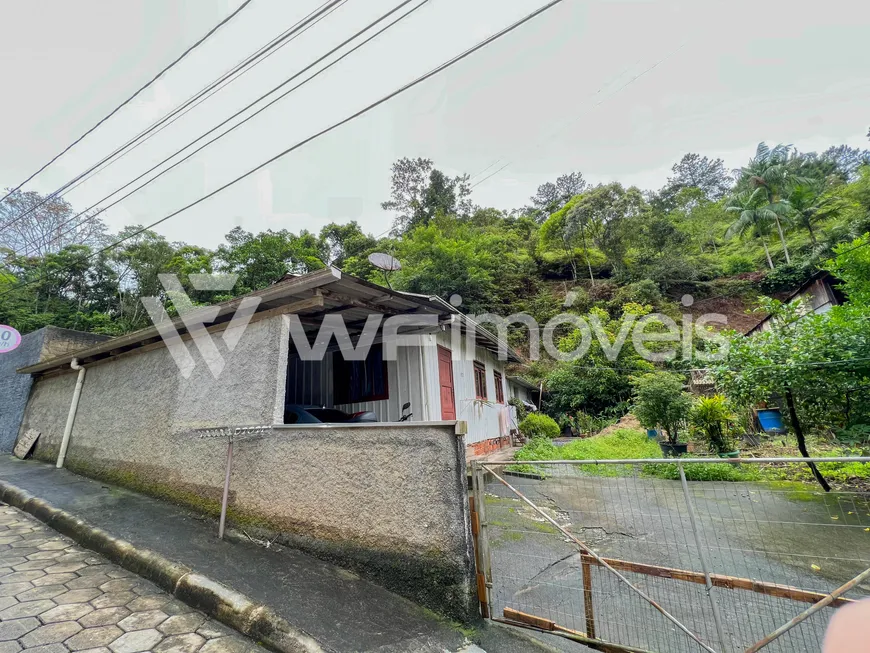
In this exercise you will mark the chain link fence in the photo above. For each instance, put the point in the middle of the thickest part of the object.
(639, 555)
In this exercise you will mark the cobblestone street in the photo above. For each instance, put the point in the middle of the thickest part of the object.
(56, 597)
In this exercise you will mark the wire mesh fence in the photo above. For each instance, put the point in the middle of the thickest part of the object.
(555, 535)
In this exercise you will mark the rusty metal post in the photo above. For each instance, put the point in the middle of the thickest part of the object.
(226, 496)
(475, 536)
(705, 567)
(586, 570)
(485, 567)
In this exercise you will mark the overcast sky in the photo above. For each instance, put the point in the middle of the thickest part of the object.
(618, 90)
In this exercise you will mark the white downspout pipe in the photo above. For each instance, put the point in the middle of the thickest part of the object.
(423, 373)
(71, 418)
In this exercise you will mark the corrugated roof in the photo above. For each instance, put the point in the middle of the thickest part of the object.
(310, 296)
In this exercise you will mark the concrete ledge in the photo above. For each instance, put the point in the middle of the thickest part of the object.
(228, 606)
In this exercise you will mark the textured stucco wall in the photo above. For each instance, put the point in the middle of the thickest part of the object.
(14, 387)
(388, 500)
(44, 344)
(133, 404)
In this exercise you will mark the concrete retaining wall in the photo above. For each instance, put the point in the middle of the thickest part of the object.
(386, 499)
(37, 346)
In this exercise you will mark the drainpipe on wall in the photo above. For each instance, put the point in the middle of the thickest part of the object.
(71, 418)
(425, 407)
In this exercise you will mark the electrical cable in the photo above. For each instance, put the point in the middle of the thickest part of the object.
(191, 103)
(235, 115)
(597, 104)
(419, 80)
(132, 97)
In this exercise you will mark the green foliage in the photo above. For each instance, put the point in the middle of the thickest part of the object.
(262, 259)
(785, 277)
(817, 358)
(538, 449)
(851, 265)
(598, 381)
(737, 264)
(621, 444)
(703, 472)
(640, 292)
(488, 266)
(659, 399)
(521, 409)
(627, 444)
(856, 436)
(712, 417)
(538, 425)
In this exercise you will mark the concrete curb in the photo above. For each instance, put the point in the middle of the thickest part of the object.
(224, 604)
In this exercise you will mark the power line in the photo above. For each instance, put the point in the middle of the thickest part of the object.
(597, 104)
(323, 132)
(238, 113)
(598, 92)
(132, 97)
(845, 361)
(195, 100)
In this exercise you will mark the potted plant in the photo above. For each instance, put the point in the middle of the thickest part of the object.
(659, 400)
(712, 419)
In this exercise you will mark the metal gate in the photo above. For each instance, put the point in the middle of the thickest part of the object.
(637, 556)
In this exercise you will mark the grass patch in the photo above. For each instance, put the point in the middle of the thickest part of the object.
(633, 444)
(703, 472)
(621, 444)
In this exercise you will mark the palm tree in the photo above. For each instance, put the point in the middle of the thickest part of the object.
(754, 215)
(810, 205)
(771, 171)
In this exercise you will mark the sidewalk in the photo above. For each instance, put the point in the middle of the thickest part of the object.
(340, 610)
(56, 597)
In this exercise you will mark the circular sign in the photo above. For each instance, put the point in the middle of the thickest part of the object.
(9, 339)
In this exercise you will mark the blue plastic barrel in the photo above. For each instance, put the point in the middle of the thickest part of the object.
(771, 420)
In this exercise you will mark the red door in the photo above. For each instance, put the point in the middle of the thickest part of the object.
(445, 380)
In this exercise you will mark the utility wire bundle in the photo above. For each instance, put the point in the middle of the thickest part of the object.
(311, 19)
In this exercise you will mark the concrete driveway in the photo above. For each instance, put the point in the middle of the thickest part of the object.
(792, 535)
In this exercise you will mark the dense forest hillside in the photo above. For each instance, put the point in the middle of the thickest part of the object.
(723, 237)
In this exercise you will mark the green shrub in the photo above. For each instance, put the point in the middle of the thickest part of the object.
(522, 411)
(737, 264)
(785, 277)
(538, 449)
(712, 418)
(536, 425)
(623, 443)
(640, 292)
(856, 435)
(659, 399)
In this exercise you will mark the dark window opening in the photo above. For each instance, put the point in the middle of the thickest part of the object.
(480, 380)
(499, 387)
(357, 381)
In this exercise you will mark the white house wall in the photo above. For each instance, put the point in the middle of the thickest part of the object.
(520, 392)
(482, 416)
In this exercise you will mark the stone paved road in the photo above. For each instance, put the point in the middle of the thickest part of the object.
(56, 597)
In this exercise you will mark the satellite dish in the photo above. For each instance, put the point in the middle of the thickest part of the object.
(386, 263)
